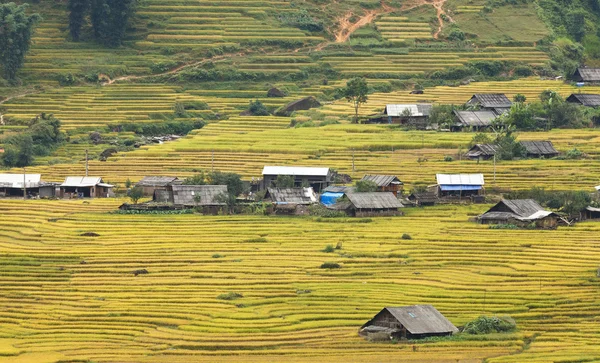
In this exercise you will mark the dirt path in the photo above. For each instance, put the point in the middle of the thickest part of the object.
(19, 95)
(439, 7)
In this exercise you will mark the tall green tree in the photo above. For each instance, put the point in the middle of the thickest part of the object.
(77, 11)
(110, 19)
(16, 29)
(356, 91)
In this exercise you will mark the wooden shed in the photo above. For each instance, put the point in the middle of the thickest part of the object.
(373, 204)
(190, 196)
(539, 149)
(496, 102)
(520, 212)
(473, 120)
(85, 187)
(590, 75)
(482, 151)
(584, 99)
(590, 213)
(423, 199)
(409, 322)
(386, 183)
(411, 114)
(150, 184)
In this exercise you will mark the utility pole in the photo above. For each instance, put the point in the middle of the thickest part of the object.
(86, 163)
(24, 184)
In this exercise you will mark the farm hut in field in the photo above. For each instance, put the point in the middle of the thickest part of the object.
(408, 322)
(587, 75)
(538, 149)
(386, 183)
(423, 199)
(317, 178)
(150, 184)
(12, 185)
(520, 212)
(409, 114)
(496, 102)
(473, 120)
(373, 204)
(291, 200)
(482, 151)
(590, 213)
(85, 187)
(460, 185)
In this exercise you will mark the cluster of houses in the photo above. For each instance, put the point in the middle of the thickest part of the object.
(31, 186)
(483, 110)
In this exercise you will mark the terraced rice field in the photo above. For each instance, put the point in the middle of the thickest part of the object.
(400, 28)
(67, 297)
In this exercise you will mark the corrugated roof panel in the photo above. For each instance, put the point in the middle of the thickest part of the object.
(423, 109)
(81, 181)
(460, 179)
(16, 180)
(295, 171)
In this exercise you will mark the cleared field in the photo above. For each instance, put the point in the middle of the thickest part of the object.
(72, 298)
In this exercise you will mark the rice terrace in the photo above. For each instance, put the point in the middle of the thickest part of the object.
(299, 181)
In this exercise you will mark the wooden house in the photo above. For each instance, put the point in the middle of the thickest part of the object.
(423, 199)
(85, 187)
(291, 200)
(409, 322)
(583, 99)
(473, 120)
(460, 185)
(520, 212)
(409, 114)
(386, 183)
(496, 102)
(587, 75)
(590, 213)
(191, 196)
(317, 178)
(373, 204)
(482, 151)
(539, 149)
(150, 184)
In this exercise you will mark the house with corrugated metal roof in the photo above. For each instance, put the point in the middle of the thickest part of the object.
(496, 102)
(317, 178)
(588, 75)
(413, 114)
(408, 322)
(520, 212)
(190, 196)
(13, 185)
(291, 196)
(460, 185)
(584, 99)
(85, 187)
(150, 184)
(533, 149)
(386, 183)
(473, 120)
(482, 151)
(373, 204)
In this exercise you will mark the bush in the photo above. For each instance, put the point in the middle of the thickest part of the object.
(406, 236)
(321, 211)
(230, 296)
(256, 108)
(448, 158)
(487, 325)
(365, 186)
(574, 154)
(328, 249)
(331, 265)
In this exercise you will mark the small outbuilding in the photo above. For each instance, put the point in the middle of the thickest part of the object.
(473, 120)
(482, 151)
(373, 204)
(539, 149)
(412, 114)
(293, 196)
(496, 102)
(423, 199)
(85, 187)
(191, 196)
(588, 75)
(408, 322)
(590, 213)
(12, 185)
(150, 184)
(460, 185)
(317, 178)
(520, 212)
(386, 183)
(583, 99)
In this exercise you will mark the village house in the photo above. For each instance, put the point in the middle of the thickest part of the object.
(317, 178)
(496, 102)
(473, 120)
(408, 322)
(587, 75)
(589, 213)
(460, 185)
(519, 212)
(11, 185)
(583, 99)
(291, 200)
(85, 187)
(386, 183)
(373, 204)
(413, 114)
(150, 184)
(191, 196)
(423, 199)
(534, 149)
(332, 193)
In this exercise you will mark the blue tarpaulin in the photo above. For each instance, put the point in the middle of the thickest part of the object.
(329, 198)
(448, 188)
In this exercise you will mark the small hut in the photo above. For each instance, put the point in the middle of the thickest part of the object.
(409, 322)
(520, 212)
(460, 185)
(588, 75)
(583, 99)
(386, 183)
(373, 204)
(496, 102)
(291, 200)
(317, 178)
(539, 149)
(473, 120)
(482, 151)
(85, 187)
(423, 199)
(590, 213)
(150, 184)
(413, 114)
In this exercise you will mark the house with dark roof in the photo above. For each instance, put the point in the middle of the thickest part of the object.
(584, 99)
(149, 184)
(473, 120)
(496, 102)
(409, 322)
(588, 75)
(482, 151)
(373, 204)
(423, 199)
(386, 183)
(291, 196)
(589, 213)
(191, 196)
(317, 178)
(539, 149)
(520, 212)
